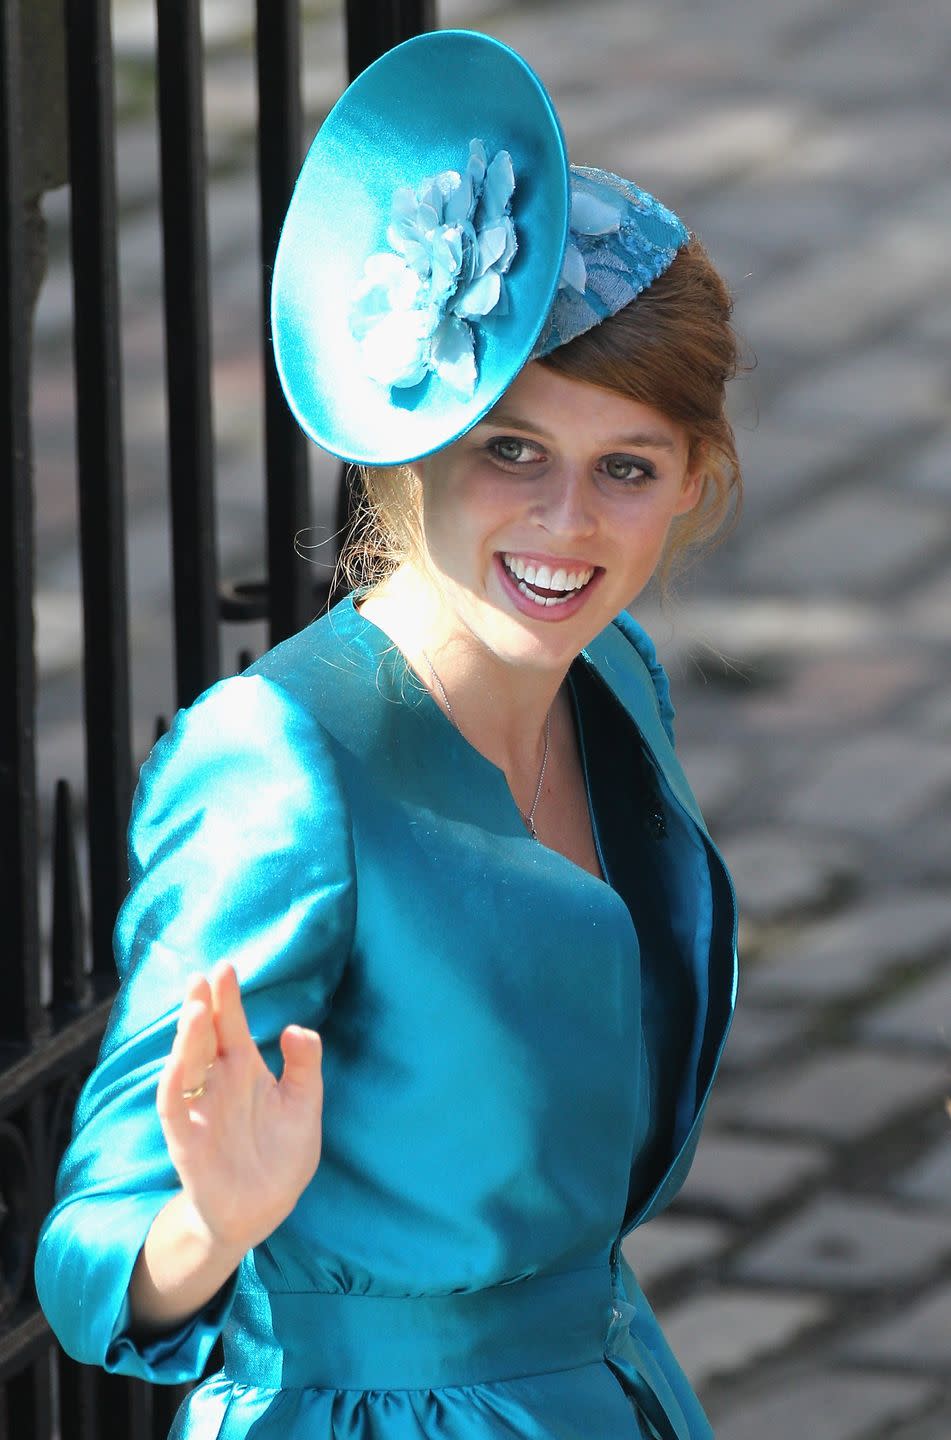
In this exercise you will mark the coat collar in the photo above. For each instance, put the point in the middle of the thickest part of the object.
(623, 656)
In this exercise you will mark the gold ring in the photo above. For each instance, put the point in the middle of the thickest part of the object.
(199, 1090)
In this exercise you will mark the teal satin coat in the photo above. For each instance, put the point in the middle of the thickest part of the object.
(491, 1070)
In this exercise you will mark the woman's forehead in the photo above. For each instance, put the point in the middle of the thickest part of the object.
(547, 403)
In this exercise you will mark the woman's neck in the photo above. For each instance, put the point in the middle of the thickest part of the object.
(499, 706)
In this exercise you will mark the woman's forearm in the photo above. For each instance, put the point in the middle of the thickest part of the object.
(180, 1268)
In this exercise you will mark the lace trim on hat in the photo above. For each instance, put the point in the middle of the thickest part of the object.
(620, 240)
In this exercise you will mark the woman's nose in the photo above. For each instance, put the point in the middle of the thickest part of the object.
(564, 506)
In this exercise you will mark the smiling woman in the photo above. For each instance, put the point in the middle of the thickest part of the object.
(443, 826)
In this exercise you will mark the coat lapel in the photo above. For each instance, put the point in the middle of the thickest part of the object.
(623, 656)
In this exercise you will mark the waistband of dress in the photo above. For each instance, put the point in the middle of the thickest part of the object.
(353, 1341)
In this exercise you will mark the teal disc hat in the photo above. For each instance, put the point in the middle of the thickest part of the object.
(436, 240)
(381, 361)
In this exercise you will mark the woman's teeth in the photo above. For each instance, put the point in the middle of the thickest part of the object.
(558, 585)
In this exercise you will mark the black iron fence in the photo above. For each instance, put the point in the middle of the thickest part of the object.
(54, 996)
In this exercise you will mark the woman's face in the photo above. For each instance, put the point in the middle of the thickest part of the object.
(550, 515)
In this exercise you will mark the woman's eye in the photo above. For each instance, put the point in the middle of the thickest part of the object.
(626, 467)
(512, 451)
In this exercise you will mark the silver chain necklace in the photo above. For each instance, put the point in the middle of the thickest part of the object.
(529, 819)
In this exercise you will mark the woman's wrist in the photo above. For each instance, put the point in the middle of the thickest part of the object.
(181, 1267)
(217, 1246)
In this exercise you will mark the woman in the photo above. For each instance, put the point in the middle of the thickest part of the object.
(432, 857)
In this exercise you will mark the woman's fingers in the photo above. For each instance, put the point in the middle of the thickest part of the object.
(189, 1066)
(230, 1020)
(302, 1052)
(195, 1046)
(176, 1081)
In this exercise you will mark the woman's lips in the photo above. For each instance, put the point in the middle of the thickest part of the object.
(550, 603)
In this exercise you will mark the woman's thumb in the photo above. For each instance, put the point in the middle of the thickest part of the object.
(302, 1051)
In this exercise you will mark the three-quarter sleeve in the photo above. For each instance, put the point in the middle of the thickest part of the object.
(239, 850)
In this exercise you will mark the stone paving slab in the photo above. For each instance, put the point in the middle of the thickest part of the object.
(849, 393)
(765, 222)
(730, 141)
(917, 1337)
(922, 850)
(826, 696)
(740, 1176)
(935, 1425)
(827, 1406)
(927, 611)
(745, 627)
(876, 781)
(932, 324)
(930, 471)
(929, 1181)
(782, 872)
(717, 777)
(850, 304)
(782, 463)
(756, 1035)
(921, 1017)
(848, 1243)
(935, 718)
(818, 549)
(839, 1096)
(776, 27)
(713, 1335)
(848, 953)
(867, 57)
(669, 1244)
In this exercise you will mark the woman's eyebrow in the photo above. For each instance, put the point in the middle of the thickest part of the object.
(648, 439)
(516, 422)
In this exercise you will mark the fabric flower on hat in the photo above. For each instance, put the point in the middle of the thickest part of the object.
(452, 242)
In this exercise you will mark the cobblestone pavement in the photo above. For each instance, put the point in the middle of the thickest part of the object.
(805, 1273)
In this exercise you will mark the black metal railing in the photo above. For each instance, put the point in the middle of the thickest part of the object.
(100, 469)
(55, 995)
(19, 977)
(188, 347)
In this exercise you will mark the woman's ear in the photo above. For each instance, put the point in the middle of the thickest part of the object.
(691, 488)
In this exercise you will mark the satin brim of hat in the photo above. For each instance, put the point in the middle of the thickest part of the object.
(408, 116)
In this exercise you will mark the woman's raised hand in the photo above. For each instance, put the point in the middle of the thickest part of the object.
(244, 1144)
